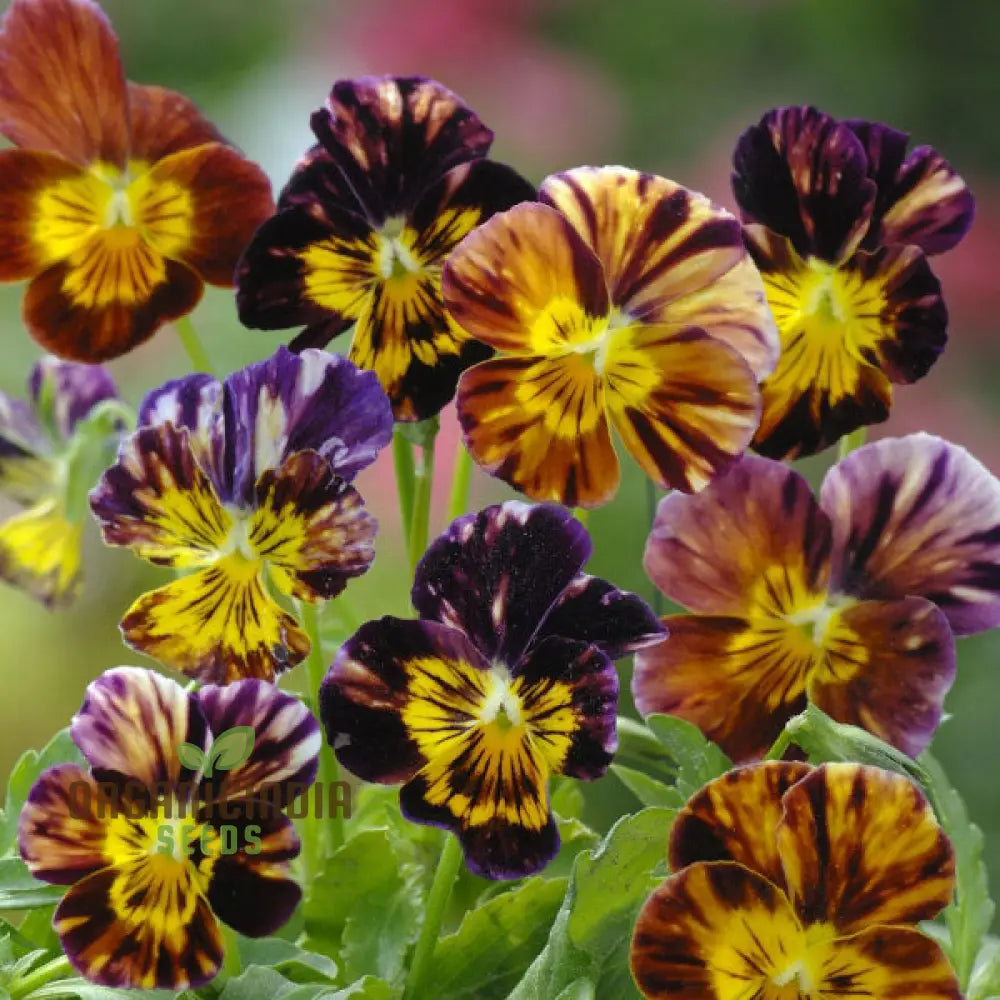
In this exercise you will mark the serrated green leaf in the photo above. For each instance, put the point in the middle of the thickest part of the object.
(37, 928)
(80, 988)
(191, 756)
(257, 982)
(698, 759)
(230, 749)
(582, 989)
(296, 964)
(647, 790)
(566, 798)
(20, 890)
(985, 979)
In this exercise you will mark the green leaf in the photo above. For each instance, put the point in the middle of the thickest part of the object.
(191, 756)
(257, 982)
(230, 749)
(582, 989)
(985, 979)
(647, 790)
(698, 759)
(20, 890)
(293, 962)
(77, 987)
(37, 928)
(969, 915)
(496, 942)
(589, 940)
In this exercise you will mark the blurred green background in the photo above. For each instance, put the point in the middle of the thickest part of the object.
(664, 85)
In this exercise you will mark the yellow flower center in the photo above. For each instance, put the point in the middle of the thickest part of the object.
(395, 259)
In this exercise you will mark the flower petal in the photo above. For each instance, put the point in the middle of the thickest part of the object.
(133, 720)
(887, 668)
(71, 390)
(739, 680)
(495, 575)
(124, 928)
(860, 846)
(918, 516)
(391, 137)
(201, 206)
(733, 818)
(62, 88)
(540, 425)
(754, 541)
(686, 405)
(311, 528)
(525, 281)
(217, 625)
(804, 176)
(60, 833)
(40, 551)
(157, 500)
(317, 184)
(286, 736)
(162, 122)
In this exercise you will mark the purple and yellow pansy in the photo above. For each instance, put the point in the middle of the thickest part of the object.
(398, 177)
(248, 483)
(121, 200)
(851, 602)
(791, 881)
(841, 221)
(155, 853)
(619, 299)
(40, 458)
(506, 680)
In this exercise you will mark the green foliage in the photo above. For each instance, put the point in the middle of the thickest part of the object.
(698, 760)
(20, 890)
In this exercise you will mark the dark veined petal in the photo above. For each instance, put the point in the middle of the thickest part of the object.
(734, 818)
(311, 401)
(918, 516)
(162, 122)
(846, 332)
(860, 846)
(887, 667)
(40, 549)
(805, 177)
(60, 832)
(686, 405)
(392, 137)
(157, 500)
(317, 184)
(192, 402)
(62, 88)
(132, 721)
(739, 680)
(217, 625)
(311, 528)
(286, 739)
(71, 390)
(495, 575)
(142, 925)
(754, 541)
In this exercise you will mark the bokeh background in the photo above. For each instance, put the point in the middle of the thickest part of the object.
(663, 85)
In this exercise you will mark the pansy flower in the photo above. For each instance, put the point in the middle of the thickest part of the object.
(850, 603)
(42, 468)
(790, 881)
(506, 680)
(246, 483)
(156, 853)
(121, 200)
(620, 299)
(841, 222)
(397, 178)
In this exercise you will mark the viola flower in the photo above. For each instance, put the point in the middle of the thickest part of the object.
(155, 853)
(42, 460)
(122, 200)
(245, 482)
(851, 603)
(397, 178)
(621, 297)
(841, 222)
(792, 881)
(506, 679)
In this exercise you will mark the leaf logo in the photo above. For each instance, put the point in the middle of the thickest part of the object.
(228, 751)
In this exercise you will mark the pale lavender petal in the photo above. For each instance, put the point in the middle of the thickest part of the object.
(72, 390)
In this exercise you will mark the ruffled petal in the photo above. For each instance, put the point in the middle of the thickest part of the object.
(162, 122)
(133, 720)
(685, 405)
(218, 625)
(887, 668)
(40, 549)
(918, 516)
(805, 176)
(70, 390)
(860, 846)
(753, 541)
(316, 184)
(495, 575)
(311, 528)
(62, 87)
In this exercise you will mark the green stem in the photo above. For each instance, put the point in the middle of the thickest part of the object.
(402, 458)
(779, 746)
(582, 514)
(461, 479)
(232, 964)
(639, 748)
(651, 507)
(58, 968)
(423, 484)
(193, 346)
(437, 902)
(851, 442)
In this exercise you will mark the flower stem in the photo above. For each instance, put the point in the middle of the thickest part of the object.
(461, 479)
(851, 442)
(58, 968)
(437, 902)
(192, 345)
(779, 746)
(402, 458)
(423, 483)
(232, 964)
